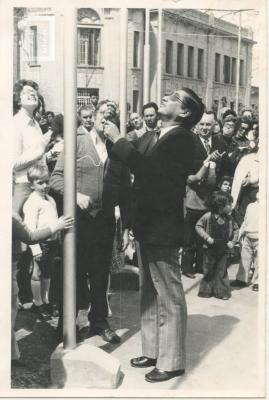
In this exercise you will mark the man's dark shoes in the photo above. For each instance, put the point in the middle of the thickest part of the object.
(255, 287)
(143, 362)
(189, 275)
(158, 375)
(238, 283)
(40, 311)
(108, 335)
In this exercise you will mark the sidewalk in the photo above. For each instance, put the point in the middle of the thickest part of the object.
(222, 346)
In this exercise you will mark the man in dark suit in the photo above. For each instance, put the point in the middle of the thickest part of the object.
(161, 167)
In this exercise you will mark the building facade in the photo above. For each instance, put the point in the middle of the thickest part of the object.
(198, 51)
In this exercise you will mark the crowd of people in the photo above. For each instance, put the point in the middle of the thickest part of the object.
(181, 190)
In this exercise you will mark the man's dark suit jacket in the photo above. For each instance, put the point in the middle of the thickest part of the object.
(159, 185)
(223, 166)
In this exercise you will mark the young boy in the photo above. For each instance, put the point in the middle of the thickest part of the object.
(40, 211)
(249, 233)
(226, 184)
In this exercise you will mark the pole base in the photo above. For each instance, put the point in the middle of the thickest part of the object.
(85, 366)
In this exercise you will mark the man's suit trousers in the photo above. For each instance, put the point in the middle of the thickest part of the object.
(163, 307)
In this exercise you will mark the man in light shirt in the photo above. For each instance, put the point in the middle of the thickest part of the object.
(102, 185)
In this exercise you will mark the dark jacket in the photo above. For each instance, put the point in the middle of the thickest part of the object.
(224, 166)
(159, 184)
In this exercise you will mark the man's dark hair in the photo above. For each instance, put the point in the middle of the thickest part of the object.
(57, 125)
(193, 103)
(49, 113)
(18, 87)
(151, 104)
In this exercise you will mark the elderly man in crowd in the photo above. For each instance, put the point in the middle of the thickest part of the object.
(137, 123)
(160, 174)
(102, 184)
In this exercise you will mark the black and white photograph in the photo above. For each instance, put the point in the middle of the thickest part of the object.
(134, 199)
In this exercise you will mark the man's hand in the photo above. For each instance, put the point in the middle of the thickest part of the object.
(83, 201)
(210, 240)
(111, 131)
(230, 245)
(38, 257)
(125, 240)
(215, 156)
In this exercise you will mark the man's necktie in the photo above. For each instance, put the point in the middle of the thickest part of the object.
(207, 146)
(154, 139)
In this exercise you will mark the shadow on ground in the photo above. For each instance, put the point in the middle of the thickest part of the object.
(203, 334)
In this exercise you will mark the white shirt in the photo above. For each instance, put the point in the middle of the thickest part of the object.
(39, 213)
(100, 146)
(250, 225)
(28, 145)
(165, 130)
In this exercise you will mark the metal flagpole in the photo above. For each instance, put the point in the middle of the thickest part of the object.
(70, 138)
(159, 65)
(123, 69)
(146, 58)
(238, 66)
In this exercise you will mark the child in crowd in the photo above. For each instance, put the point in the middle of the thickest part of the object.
(39, 211)
(225, 184)
(20, 233)
(219, 233)
(249, 234)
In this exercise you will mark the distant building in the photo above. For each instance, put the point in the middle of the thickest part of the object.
(199, 51)
(254, 98)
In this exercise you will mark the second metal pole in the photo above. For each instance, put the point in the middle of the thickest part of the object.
(159, 65)
(70, 140)
(238, 66)
(123, 69)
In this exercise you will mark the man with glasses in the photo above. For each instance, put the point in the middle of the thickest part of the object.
(160, 174)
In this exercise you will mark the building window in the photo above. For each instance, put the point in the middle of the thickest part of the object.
(89, 47)
(180, 59)
(217, 67)
(200, 64)
(84, 95)
(135, 100)
(169, 57)
(33, 45)
(190, 61)
(136, 49)
(227, 69)
(233, 80)
(241, 73)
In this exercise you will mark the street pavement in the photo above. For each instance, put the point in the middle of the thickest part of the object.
(224, 354)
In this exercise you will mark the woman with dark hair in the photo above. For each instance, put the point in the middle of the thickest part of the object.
(29, 144)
